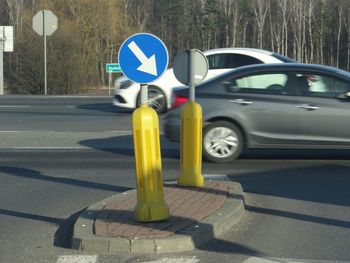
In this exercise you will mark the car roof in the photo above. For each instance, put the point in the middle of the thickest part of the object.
(286, 67)
(237, 50)
(260, 54)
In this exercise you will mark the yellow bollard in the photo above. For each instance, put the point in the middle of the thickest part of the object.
(151, 205)
(191, 145)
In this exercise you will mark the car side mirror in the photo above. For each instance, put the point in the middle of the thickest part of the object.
(229, 87)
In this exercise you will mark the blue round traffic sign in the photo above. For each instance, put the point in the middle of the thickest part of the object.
(143, 58)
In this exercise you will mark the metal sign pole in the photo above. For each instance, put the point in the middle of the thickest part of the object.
(2, 41)
(45, 59)
(45, 24)
(109, 82)
(144, 94)
(192, 70)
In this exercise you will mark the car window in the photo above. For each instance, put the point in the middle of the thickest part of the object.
(271, 83)
(225, 61)
(309, 84)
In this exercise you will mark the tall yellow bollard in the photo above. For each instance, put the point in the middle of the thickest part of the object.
(191, 145)
(190, 68)
(151, 205)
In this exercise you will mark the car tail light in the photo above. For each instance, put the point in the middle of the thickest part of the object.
(178, 100)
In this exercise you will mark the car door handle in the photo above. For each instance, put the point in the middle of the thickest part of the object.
(307, 107)
(241, 102)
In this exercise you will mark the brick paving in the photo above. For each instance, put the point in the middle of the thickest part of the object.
(187, 205)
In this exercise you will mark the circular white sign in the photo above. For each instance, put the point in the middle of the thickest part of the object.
(181, 67)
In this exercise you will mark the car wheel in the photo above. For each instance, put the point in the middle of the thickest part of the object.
(156, 99)
(222, 142)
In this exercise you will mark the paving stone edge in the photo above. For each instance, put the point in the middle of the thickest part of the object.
(185, 240)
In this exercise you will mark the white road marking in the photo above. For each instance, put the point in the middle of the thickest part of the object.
(94, 259)
(15, 106)
(48, 131)
(56, 106)
(287, 260)
(175, 260)
(77, 259)
(14, 131)
(49, 147)
(75, 96)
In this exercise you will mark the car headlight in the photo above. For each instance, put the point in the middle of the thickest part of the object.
(125, 84)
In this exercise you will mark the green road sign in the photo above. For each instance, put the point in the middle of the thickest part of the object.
(113, 68)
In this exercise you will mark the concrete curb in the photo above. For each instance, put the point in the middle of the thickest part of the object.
(186, 239)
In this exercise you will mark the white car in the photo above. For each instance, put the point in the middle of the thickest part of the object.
(220, 61)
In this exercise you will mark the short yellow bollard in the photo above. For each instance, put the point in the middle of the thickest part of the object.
(151, 205)
(191, 145)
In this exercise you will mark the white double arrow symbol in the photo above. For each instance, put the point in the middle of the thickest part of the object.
(148, 65)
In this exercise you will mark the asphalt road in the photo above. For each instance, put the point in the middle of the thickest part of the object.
(33, 122)
(297, 202)
(60, 113)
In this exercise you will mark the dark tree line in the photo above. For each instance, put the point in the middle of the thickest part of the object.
(90, 33)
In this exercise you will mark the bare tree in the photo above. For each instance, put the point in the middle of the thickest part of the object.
(260, 8)
(322, 29)
(311, 17)
(236, 20)
(15, 9)
(298, 24)
(282, 4)
(347, 27)
(340, 23)
(231, 9)
(140, 12)
(272, 29)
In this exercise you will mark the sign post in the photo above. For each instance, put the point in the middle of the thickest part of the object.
(112, 68)
(6, 45)
(2, 40)
(45, 24)
(190, 68)
(143, 58)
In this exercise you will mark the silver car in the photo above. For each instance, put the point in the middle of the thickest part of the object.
(294, 106)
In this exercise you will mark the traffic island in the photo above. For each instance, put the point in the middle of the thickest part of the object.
(197, 216)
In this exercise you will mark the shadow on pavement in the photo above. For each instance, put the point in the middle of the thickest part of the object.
(63, 234)
(264, 154)
(109, 107)
(32, 174)
(46, 219)
(104, 107)
(124, 145)
(300, 217)
(326, 184)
